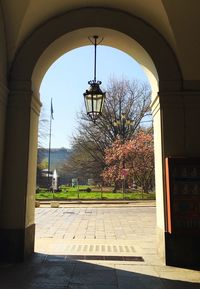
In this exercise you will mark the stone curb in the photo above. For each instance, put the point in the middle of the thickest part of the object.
(121, 202)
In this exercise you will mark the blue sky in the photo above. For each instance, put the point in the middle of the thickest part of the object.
(67, 79)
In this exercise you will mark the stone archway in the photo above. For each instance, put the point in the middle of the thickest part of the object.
(24, 107)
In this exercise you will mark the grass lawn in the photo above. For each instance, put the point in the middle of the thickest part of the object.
(69, 193)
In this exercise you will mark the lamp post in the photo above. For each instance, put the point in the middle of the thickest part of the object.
(94, 97)
(123, 127)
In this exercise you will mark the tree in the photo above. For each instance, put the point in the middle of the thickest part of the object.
(133, 160)
(82, 165)
(122, 96)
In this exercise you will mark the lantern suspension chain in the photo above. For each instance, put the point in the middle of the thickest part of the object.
(93, 40)
(95, 57)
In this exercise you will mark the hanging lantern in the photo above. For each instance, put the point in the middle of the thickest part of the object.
(94, 96)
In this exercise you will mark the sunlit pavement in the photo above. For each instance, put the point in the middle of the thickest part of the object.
(117, 230)
(83, 232)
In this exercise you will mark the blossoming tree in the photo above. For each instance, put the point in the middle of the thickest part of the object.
(132, 160)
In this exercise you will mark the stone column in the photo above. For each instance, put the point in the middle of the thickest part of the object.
(159, 177)
(3, 103)
(18, 191)
(176, 121)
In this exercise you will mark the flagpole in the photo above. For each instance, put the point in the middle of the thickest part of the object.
(49, 157)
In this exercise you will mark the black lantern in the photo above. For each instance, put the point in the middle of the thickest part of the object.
(94, 97)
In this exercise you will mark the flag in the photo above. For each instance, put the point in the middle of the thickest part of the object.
(52, 109)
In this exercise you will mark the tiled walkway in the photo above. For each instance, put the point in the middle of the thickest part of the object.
(96, 223)
(102, 231)
(96, 231)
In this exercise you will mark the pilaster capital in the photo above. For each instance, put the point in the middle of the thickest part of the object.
(189, 97)
(176, 99)
(20, 93)
(20, 85)
(191, 84)
(22, 96)
(170, 85)
(173, 99)
(192, 98)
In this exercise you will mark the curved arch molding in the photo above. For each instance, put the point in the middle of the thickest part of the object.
(154, 44)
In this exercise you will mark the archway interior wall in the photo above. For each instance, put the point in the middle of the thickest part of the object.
(24, 80)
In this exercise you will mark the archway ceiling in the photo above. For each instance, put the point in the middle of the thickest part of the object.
(23, 18)
(176, 20)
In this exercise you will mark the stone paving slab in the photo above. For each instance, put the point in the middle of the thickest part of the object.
(118, 223)
(128, 231)
(134, 231)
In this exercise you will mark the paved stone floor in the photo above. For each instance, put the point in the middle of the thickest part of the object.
(103, 231)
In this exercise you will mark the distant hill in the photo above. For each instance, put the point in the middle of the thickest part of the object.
(58, 156)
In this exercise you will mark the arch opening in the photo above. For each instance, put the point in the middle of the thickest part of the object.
(126, 32)
(53, 241)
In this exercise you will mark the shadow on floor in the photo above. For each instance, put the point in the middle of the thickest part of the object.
(56, 272)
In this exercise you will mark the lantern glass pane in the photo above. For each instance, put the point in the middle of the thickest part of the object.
(102, 103)
(88, 103)
(98, 103)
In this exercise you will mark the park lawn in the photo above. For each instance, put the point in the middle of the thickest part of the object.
(74, 195)
(74, 189)
(61, 195)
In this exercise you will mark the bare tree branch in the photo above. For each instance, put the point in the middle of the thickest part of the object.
(122, 96)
